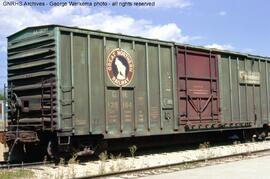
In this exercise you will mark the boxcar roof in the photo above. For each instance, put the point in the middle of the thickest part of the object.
(144, 38)
(88, 30)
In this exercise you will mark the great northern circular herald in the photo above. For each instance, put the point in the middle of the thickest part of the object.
(120, 67)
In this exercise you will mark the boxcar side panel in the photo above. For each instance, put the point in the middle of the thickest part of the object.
(141, 90)
(81, 96)
(167, 98)
(91, 65)
(154, 91)
(97, 114)
(244, 94)
(119, 99)
(224, 89)
(263, 92)
(66, 86)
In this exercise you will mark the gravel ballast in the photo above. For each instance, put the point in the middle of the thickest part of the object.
(152, 160)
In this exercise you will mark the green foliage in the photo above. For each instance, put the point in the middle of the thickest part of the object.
(132, 150)
(20, 173)
(73, 159)
(204, 145)
(112, 156)
(62, 161)
(1, 97)
(236, 142)
(102, 157)
(45, 160)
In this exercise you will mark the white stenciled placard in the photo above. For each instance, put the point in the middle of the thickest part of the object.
(249, 77)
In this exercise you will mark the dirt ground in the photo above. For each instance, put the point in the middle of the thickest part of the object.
(2, 150)
(2, 146)
(2, 125)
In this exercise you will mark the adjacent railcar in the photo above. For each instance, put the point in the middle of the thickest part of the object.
(221, 89)
(70, 89)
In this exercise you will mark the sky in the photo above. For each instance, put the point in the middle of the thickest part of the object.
(238, 25)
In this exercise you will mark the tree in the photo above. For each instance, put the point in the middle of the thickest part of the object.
(1, 97)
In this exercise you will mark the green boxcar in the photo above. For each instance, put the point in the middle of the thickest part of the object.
(70, 88)
(90, 96)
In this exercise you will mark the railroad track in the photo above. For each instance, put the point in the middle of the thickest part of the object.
(173, 167)
(47, 168)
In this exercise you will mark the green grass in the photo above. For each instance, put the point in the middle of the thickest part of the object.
(18, 173)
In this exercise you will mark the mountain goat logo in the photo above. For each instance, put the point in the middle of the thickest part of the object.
(120, 67)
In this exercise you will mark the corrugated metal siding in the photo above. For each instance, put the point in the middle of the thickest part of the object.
(143, 107)
(31, 72)
(243, 102)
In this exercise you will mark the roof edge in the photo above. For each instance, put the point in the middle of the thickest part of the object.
(175, 43)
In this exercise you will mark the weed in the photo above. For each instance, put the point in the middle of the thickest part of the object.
(112, 167)
(187, 165)
(102, 157)
(119, 162)
(204, 145)
(112, 156)
(62, 161)
(73, 159)
(72, 171)
(132, 150)
(236, 142)
(45, 160)
(119, 156)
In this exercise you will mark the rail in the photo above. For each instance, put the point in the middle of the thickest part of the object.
(173, 165)
(259, 149)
